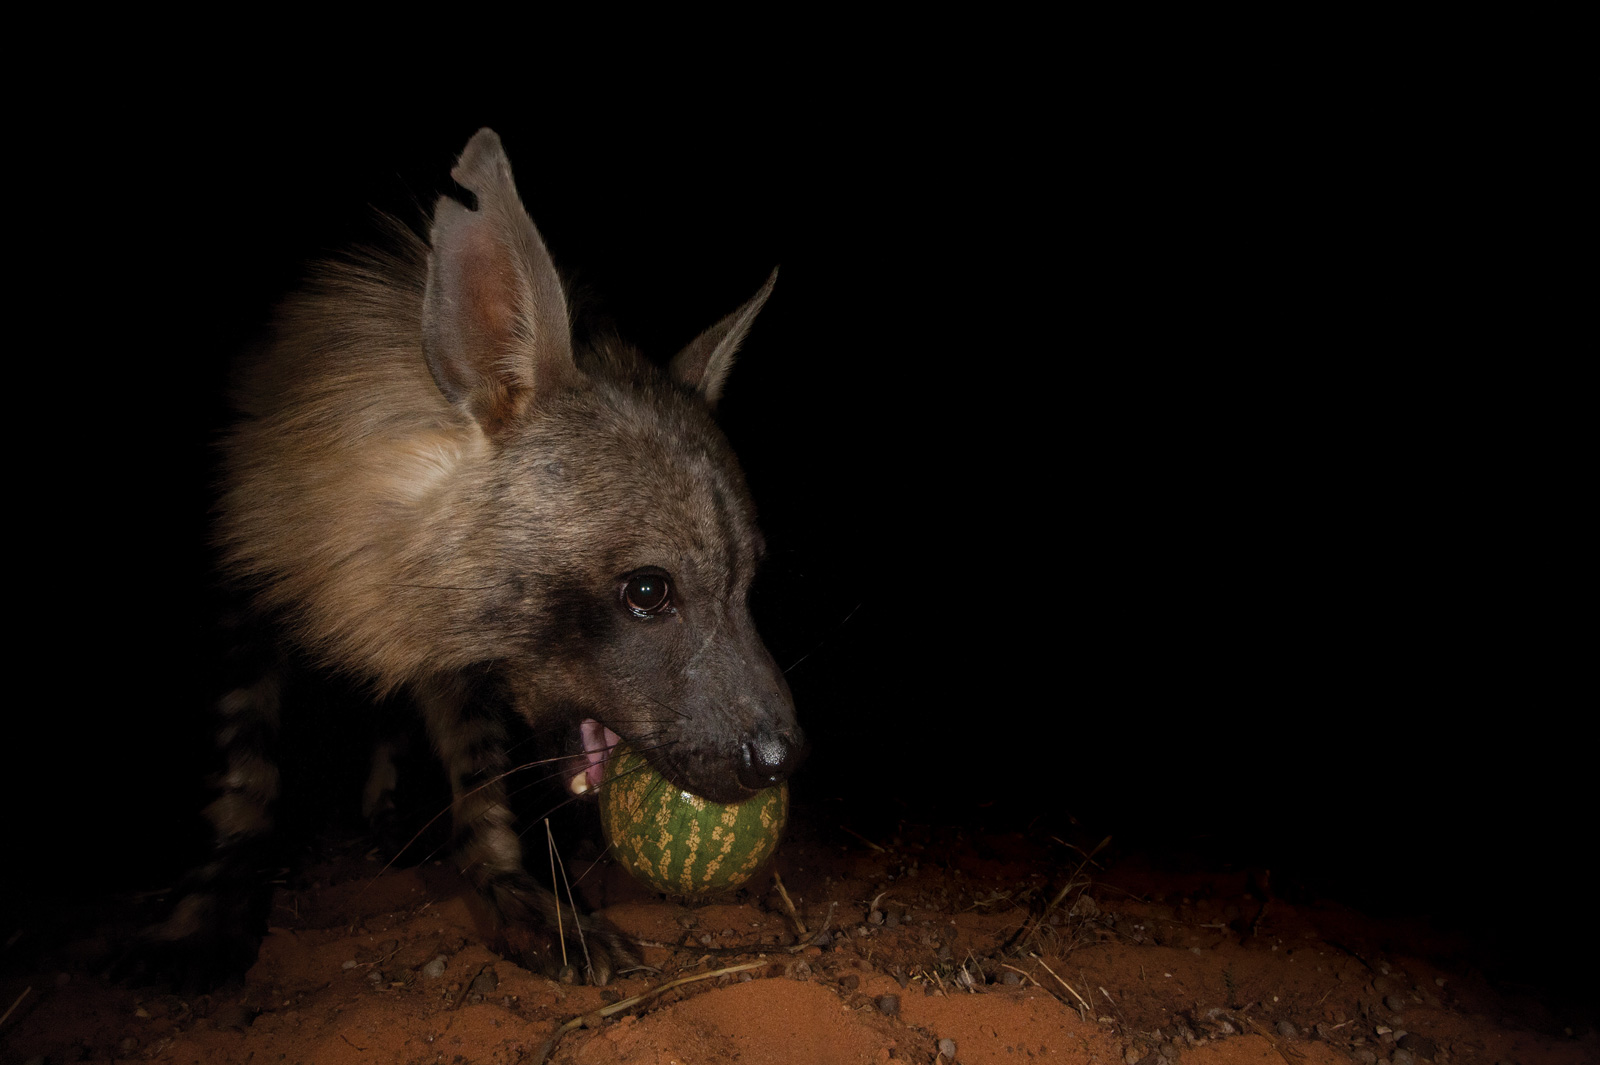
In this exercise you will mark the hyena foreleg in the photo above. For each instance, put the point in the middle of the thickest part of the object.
(470, 737)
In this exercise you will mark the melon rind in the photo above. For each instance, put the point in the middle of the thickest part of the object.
(680, 843)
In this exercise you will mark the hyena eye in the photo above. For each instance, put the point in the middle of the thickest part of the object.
(647, 594)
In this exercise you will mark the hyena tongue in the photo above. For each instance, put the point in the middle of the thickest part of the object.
(597, 743)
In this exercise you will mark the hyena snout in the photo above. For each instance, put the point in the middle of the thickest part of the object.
(739, 734)
(769, 755)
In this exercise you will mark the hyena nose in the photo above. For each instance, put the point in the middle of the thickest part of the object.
(769, 757)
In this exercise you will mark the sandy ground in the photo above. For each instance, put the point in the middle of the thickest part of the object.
(926, 942)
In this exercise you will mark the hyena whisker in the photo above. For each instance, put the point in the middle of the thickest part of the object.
(824, 640)
(505, 775)
(668, 708)
(569, 799)
(490, 783)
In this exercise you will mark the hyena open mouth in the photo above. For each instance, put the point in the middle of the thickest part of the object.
(598, 743)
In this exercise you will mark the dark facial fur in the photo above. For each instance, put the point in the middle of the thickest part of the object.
(432, 483)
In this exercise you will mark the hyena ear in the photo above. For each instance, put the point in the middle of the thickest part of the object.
(494, 317)
(705, 363)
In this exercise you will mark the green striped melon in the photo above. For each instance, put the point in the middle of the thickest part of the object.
(680, 843)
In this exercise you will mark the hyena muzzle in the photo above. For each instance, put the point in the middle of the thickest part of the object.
(435, 487)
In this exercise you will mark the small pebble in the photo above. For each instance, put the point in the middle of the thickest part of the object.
(947, 1049)
(435, 968)
(1287, 1029)
(485, 982)
(1010, 978)
(1402, 1056)
(1395, 1003)
(889, 1005)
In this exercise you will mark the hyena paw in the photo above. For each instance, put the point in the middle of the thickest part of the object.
(547, 936)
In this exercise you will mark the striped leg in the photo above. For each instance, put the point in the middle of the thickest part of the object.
(471, 742)
(213, 932)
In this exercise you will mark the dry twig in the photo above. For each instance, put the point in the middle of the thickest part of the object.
(590, 1019)
(1063, 983)
(788, 905)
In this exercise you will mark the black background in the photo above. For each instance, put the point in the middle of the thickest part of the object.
(1135, 457)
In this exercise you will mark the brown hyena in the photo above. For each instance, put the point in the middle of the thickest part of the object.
(435, 487)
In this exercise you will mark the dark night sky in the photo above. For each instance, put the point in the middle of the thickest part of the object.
(1112, 462)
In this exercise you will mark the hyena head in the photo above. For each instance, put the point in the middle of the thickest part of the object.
(610, 542)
